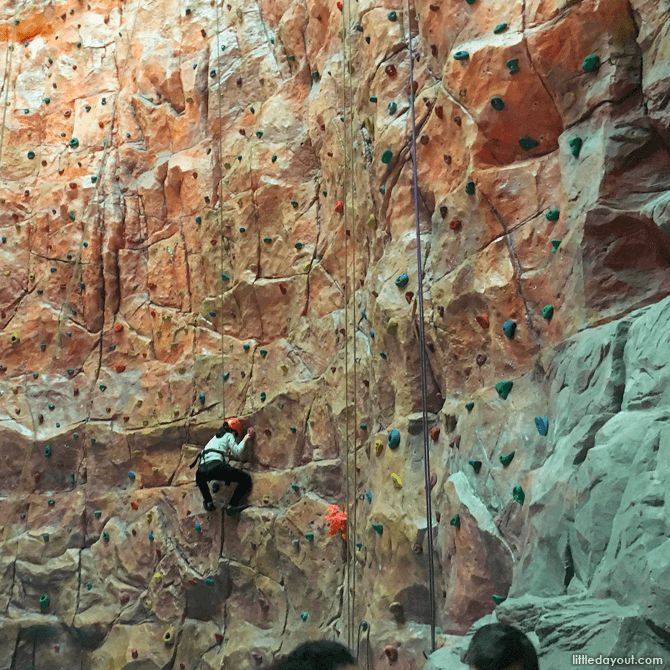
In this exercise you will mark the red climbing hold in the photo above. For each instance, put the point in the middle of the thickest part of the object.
(408, 296)
(135, 653)
(433, 480)
(455, 224)
(213, 242)
(36, 477)
(218, 637)
(435, 433)
(481, 359)
(159, 553)
(391, 652)
(340, 6)
(339, 208)
(390, 70)
(120, 368)
(483, 320)
(134, 505)
(118, 327)
(439, 112)
(283, 289)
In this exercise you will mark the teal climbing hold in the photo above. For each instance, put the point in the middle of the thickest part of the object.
(372, 334)
(392, 16)
(383, 355)
(359, 28)
(274, 159)
(509, 328)
(263, 396)
(554, 245)
(401, 281)
(246, 347)
(198, 220)
(294, 203)
(72, 479)
(263, 353)
(470, 188)
(378, 528)
(394, 439)
(315, 74)
(497, 103)
(367, 39)
(209, 581)
(518, 494)
(373, 98)
(455, 521)
(243, 229)
(325, 193)
(51, 502)
(82, 286)
(97, 514)
(36, 375)
(506, 459)
(591, 63)
(89, 586)
(552, 214)
(393, 107)
(74, 142)
(31, 155)
(51, 406)
(387, 156)
(547, 312)
(528, 143)
(293, 429)
(201, 398)
(364, 427)
(88, 108)
(368, 495)
(259, 134)
(47, 100)
(298, 245)
(212, 73)
(71, 215)
(513, 65)
(500, 28)
(105, 536)
(476, 466)
(304, 616)
(212, 313)
(47, 451)
(471, 2)
(151, 536)
(131, 475)
(44, 600)
(576, 146)
(364, 626)
(498, 600)
(295, 488)
(78, 45)
(542, 424)
(309, 537)
(198, 528)
(382, 189)
(225, 277)
(102, 387)
(45, 537)
(267, 240)
(469, 406)
(503, 388)
(76, 435)
(461, 55)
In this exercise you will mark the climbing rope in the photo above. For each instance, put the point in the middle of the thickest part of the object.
(422, 338)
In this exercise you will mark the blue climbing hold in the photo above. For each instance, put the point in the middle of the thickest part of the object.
(225, 277)
(151, 536)
(131, 474)
(212, 313)
(402, 280)
(393, 108)
(198, 527)
(372, 334)
(509, 328)
(542, 424)
(394, 439)
(209, 581)
(201, 398)
(368, 495)
(461, 55)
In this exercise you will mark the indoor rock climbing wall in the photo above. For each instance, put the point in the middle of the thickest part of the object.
(190, 195)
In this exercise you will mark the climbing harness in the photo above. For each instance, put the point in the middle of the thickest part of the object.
(422, 338)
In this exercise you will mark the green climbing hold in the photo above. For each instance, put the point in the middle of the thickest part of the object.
(393, 107)
(209, 581)
(387, 156)
(401, 281)
(45, 537)
(51, 502)
(294, 203)
(295, 488)
(392, 16)
(469, 406)
(105, 536)
(394, 439)
(528, 143)
(497, 103)
(267, 240)
(476, 466)
(304, 616)
(513, 65)
(554, 245)
(309, 537)
(31, 155)
(591, 63)
(47, 451)
(44, 600)
(246, 347)
(263, 396)
(547, 312)
(373, 98)
(97, 514)
(518, 494)
(470, 188)
(455, 521)
(74, 143)
(378, 528)
(71, 215)
(576, 146)
(274, 159)
(498, 600)
(552, 215)
(293, 429)
(364, 427)
(501, 27)
(298, 245)
(503, 388)
(506, 459)
(263, 353)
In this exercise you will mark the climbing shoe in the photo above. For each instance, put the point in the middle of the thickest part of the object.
(235, 510)
(209, 506)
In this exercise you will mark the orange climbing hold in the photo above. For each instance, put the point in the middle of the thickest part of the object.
(339, 207)
(118, 327)
(338, 520)
(483, 320)
(435, 433)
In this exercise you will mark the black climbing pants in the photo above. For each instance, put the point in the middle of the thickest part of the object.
(227, 474)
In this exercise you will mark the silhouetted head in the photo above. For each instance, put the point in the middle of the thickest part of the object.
(318, 655)
(499, 646)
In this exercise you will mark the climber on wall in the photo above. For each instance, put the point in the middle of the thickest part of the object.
(214, 466)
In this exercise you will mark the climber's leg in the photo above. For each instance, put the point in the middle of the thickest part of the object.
(244, 485)
(202, 480)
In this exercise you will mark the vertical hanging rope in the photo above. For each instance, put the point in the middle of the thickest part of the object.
(422, 339)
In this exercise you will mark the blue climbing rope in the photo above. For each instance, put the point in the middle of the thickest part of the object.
(422, 338)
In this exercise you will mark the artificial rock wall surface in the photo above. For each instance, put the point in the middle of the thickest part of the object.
(173, 252)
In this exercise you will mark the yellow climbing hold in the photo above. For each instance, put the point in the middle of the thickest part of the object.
(372, 222)
(306, 267)
(392, 327)
(284, 368)
(158, 577)
(168, 637)
(379, 445)
(183, 494)
(397, 482)
(148, 604)
(154, 469)
(138, 453)
(150, 517)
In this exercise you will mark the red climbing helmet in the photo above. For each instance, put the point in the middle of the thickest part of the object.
(236, 425)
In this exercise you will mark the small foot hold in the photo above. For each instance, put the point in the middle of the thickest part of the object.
(235, 510)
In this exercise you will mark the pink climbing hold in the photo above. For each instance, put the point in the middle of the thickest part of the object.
(339, 208)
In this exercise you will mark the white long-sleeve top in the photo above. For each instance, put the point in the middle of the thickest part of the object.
(221, 446)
